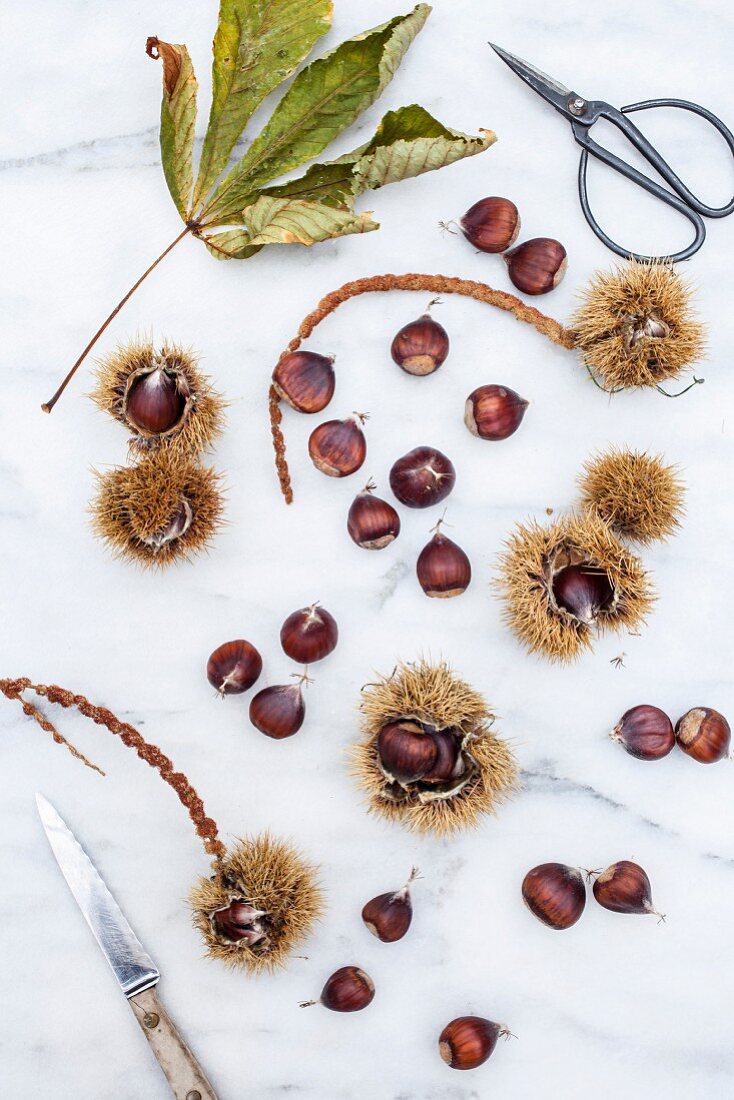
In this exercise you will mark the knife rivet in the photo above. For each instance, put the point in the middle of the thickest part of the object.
(151, 1020)
(193, 1095)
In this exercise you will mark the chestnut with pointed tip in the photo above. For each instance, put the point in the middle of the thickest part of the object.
(492, 224)
(154, 402)
(239, 921)
(309, 635)
(421, 346)
(422, 477)
(234, 667)
(388, 916)
(536, 266)
(704, 734)
(494, 412)
(468, 1041)
(406, 751)
(338, 447)
(625, 888)
(372, 522)
(583, 591)
(645, 732)
(555, 894)
(305, 380)
(279, 711)
(443, 569)
(349, 989)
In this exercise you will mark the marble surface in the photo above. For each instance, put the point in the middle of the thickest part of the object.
(617, 1006)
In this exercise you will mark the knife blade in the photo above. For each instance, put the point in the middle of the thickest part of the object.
(133, 967)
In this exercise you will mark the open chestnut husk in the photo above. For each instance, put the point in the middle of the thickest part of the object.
(704, 734)
(494, 412)
(492, 224)
(259, 906)
(389, 916)
(421, 346)
(161, 397)
(349, 989)
(645, 732)
(372, 522)
(234, 667)
(309, 635)
(566, 581)
(422, 477)
(305, 380)
(338, 447)
(468, 1041)
(555, 894)
(536, 266)
(625, 888)
(429, 758)
(443, 569)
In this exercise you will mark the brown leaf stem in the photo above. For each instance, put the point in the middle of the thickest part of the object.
(205, 827)
(47, 406)
(435, 284)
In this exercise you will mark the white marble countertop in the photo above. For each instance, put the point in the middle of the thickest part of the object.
(616, 1006)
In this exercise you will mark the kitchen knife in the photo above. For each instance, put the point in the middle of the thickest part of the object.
(134, 969)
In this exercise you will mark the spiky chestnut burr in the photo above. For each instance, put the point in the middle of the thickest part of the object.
(473, 770)
(637, 494)
(545, 611)
(163, 509)
(161, 396)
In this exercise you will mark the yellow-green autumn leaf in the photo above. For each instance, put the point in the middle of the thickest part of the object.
(258, 44)
(178, 120)
(293, 221)
(234, 244)
(325, 98)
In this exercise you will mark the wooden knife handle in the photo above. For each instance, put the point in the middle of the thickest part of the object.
(185, 1076)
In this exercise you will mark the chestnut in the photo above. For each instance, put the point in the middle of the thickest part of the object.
(234, 667)
(494, 412)
(305, 380)
(348, 989)
(372, 523)
(389, 916)
(555, 894)
(468, 1041)
(406, 751)
(704, 734)
(443, 569)
(279, 711)
(422, 477)
(583, 591)
(338, 447)
(645, 732)
(155, 402)
(625, 888)
(421, 346)
(239, 921)
(536, 266)
(448, 764)
(492, 224)
(309, 634)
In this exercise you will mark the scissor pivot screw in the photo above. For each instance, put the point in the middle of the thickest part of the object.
(576, 105)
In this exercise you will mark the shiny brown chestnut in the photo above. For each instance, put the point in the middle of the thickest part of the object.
(704, 734)
(338, 447)
(372, 522)
(536, 266)
(443, 569)
(421, 346)
(155, 402)
(492, 224)
(279, 711)
(177, 526)
(625, 888)
(305, 380)
(468, 1041)
(583, 591)
(645, 732)
(406, 751)
(555, 894)
(309, 634)
(422, 477)
(234, 667)
(494, 412)
(448, 762)
(348, 989)
(389, 916)
(239, 921)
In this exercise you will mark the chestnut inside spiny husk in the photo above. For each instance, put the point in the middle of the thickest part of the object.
(160, 396)
(535, 570)
(163, 509)
(471, 771)
(260, 906)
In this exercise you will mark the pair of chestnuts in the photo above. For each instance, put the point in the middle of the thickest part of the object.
(278, 711)
(556, 893)
(535, 266)
(647, 733)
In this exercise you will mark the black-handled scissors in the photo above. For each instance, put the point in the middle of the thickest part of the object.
(583, 113)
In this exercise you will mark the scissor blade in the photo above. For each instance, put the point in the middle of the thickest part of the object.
(132, 966)
(551, 90)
